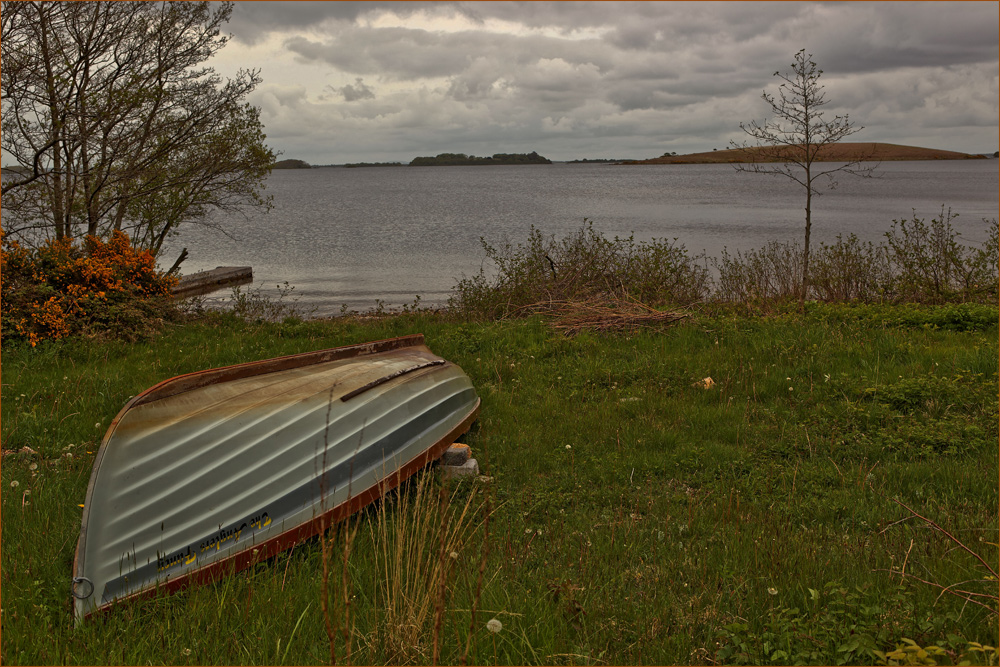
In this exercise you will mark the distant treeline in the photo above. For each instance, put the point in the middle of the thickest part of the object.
(373, 164)
(451, 159)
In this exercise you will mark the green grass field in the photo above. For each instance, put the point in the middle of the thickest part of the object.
(629, 515)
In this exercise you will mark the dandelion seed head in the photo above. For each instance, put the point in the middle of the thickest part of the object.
(772, 591)
(15, 484)
(494, 626)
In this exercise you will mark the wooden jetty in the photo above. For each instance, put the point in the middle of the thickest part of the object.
(206, 282)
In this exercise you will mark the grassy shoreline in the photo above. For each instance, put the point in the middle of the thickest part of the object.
(632, 516)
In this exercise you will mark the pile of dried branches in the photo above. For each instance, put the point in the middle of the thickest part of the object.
(605, 313)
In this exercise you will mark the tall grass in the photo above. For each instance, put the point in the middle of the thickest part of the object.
(421, 542)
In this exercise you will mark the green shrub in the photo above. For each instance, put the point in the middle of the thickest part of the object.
(931, 266)
(919, 262)
(849, 270)
(769, 274)
(580, 266)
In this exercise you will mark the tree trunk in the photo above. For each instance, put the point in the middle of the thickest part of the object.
(805, 251)
(56, 187)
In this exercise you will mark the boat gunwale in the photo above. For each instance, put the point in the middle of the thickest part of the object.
(198, 379)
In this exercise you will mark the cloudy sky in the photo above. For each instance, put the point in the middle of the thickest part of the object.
(385, 81)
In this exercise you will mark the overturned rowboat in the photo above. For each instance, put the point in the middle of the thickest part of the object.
(207, 473)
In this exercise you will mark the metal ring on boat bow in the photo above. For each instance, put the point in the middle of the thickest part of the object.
(81, 580)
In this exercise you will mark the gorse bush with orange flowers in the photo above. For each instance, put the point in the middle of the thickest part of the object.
(96, 287)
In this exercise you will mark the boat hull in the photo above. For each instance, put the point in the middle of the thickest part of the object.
(209, 472)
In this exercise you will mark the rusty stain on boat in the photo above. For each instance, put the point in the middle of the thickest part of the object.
(209, 472)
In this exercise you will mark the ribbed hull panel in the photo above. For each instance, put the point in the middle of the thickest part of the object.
(188, 479)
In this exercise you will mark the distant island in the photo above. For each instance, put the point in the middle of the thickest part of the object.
(461, 159)
(354, 165)
(601, 160)
(874, 152)
(291, 164)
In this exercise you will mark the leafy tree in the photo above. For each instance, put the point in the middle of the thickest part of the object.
(117, 125)
(797, 138)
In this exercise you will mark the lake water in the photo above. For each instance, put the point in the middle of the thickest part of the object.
(351, 236)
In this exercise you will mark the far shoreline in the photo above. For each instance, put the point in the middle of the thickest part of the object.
(844, 152)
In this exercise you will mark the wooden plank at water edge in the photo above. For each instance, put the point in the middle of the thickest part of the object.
(205, 282)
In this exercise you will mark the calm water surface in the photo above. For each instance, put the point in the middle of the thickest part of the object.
(351, 236)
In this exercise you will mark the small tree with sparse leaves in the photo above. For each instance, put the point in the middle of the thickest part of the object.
(796, 139)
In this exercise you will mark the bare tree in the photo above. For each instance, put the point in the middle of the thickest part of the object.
(116, 123)
(797, 138)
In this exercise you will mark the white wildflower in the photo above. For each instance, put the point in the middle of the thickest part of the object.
(494, 626)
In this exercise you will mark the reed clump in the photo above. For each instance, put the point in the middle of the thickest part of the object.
(418, 543)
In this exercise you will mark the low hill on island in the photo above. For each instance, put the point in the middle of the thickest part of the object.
(461, 159)
(291, 164)
(843, 152)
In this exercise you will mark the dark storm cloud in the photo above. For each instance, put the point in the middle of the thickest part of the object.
(406, 53)
(359, 91)
(252, 21)
(653, 74)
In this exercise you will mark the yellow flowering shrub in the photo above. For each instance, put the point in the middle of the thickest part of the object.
(65, 287)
